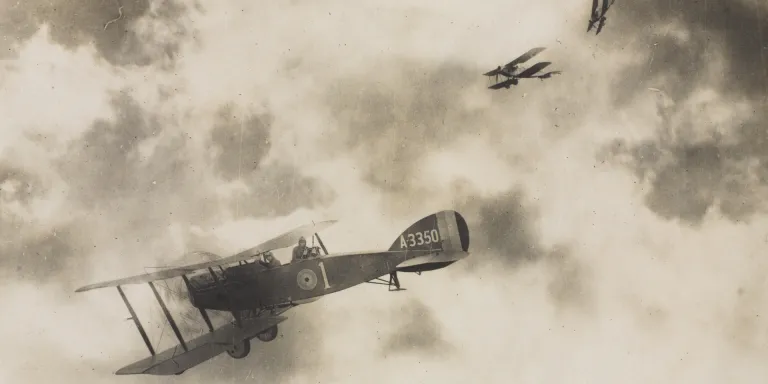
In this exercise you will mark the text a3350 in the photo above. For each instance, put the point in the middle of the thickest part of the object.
(419, 238)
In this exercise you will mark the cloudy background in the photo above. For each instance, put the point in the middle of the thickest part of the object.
(618, 233)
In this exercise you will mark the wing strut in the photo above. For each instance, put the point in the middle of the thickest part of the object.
(202, 310)
(169, 317)
(136, 321)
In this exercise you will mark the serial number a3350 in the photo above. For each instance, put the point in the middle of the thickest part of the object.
(419, 238)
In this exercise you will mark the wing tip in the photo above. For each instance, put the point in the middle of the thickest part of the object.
(92, 287)
(326, 223)
(85, 288)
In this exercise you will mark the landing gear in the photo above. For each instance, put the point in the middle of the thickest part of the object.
(268, 335)
(239, 350)
(393, 282)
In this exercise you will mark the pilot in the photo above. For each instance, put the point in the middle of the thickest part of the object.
(270, 261)
(300, 251)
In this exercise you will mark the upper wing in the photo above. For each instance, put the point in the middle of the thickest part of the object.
(282, 241)
(534, 68)
(525, 57)
(494, 72)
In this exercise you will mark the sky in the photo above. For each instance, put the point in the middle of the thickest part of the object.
(616, 231)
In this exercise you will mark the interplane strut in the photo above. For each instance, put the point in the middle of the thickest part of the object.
(169, 317)
(136, 321)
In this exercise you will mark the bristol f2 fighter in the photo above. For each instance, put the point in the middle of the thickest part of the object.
(513, 71)
(259, 291)
(598, 18)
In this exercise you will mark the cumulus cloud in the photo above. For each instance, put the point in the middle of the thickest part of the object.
(419, 331)
(124, 32)
(616, 233)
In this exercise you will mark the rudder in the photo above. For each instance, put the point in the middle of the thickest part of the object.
(441, 231)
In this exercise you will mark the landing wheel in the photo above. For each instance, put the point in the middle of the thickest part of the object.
(239, 350)
(268, 335)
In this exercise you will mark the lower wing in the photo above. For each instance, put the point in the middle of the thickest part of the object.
(534, 69)
(503, 84)
(174, 361)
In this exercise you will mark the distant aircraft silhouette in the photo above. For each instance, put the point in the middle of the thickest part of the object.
(599, 18)
(513, 72)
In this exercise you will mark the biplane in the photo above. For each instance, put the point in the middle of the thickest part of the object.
(598, 18)
(257, 293)
(514, 72)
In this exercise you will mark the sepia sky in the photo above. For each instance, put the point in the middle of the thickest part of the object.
(618, 234)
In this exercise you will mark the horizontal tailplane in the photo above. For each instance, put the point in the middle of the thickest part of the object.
(431, 262)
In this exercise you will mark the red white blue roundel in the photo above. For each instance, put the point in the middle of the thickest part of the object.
(307, 279)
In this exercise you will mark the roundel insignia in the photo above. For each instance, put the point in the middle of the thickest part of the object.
(307, 279)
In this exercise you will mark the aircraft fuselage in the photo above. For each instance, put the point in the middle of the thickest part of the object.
(432, 243)
(252, 286)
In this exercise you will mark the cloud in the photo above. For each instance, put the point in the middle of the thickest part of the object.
(612, 238)
(391, 126)
(419, 332)
(40, 257)
(18, 185)
(702, 156)
(231, 135)
(684, 40)
(53, 323)
(51, 94)
(124, 32)
(505, 230)
(242, 145)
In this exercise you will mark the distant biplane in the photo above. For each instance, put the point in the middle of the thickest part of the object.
(257, 294)
(599, 18)
(513, 72)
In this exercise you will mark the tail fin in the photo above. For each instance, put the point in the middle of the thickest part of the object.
(445, 231)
